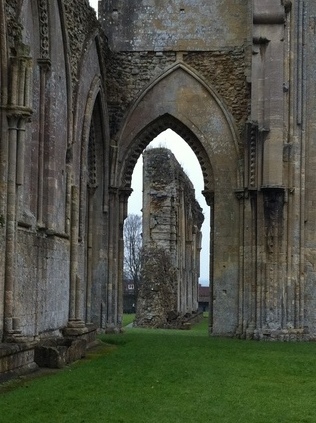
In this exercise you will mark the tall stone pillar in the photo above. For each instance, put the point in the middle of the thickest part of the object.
(75, 326)
(44, 66)
(268, 89)
(267, 176)
(3, 153)
(124, 194)
(18, 112)
(117, 213)
(209, 198)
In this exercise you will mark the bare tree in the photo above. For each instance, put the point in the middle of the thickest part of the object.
(133, 249)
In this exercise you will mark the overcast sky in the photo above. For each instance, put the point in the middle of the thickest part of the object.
(94, 4)
(191, 166)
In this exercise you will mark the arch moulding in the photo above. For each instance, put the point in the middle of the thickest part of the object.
(182, 101)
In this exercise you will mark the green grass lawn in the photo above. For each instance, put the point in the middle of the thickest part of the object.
(128, 318)
(157, 376)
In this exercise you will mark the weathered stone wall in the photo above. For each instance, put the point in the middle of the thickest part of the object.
(172, 221)
(146, 38)
(42, 284)
(177, 25)
(225, 70)
(304, 143)
(51, 91)
(157, 296)
(133, 71)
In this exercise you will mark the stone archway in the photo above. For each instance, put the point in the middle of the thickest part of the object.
(180, 100)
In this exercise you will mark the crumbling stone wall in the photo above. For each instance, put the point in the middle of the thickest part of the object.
(172, 221)
(157, 296)
(146, 38)
(225, 70)
(133, 71)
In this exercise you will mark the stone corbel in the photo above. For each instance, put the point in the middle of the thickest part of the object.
(209, 197)
(269, 12)
(124, 194)
(241, 193)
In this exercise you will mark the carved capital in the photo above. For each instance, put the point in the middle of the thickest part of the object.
(125, 192)
(209, 197)
(241, 193)
(18, 112)
(44, 64)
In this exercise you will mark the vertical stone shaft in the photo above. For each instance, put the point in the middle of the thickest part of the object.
(78, 298)
(10, 262)
(41, 144)
(123, 214)
(89, 255)
(74, 251)
(113, 228)
(301, 113)
(20, 153)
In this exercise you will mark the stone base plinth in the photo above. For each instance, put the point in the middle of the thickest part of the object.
(78, 329)
(22, 357)
(283, 335)
(16, 359)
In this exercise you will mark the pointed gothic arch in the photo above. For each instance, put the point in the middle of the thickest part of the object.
(93, 151)
(179, 99)
(155, 128)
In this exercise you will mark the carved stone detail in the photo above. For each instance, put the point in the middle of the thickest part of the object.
(14, 28)
(44, 33)
(252, 155)
(92, 166)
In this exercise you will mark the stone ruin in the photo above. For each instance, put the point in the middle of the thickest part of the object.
(172, 220)
(81, 99)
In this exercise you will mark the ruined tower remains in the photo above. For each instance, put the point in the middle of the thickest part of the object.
(172, 220)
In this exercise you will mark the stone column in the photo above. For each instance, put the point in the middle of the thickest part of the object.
(111, 307)
(209, 198)
(76, 325)
(91, 191)
(270, 112)
(10, 264)
(268, 95)
(123, 195)
(117, 213)
(18, 113)
(44, 65)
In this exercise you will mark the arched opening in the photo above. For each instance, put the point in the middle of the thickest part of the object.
(92, 222)
(175, 101)
(168, 132)
(190, 164)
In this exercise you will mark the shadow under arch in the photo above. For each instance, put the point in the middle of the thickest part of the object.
(150, 132)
